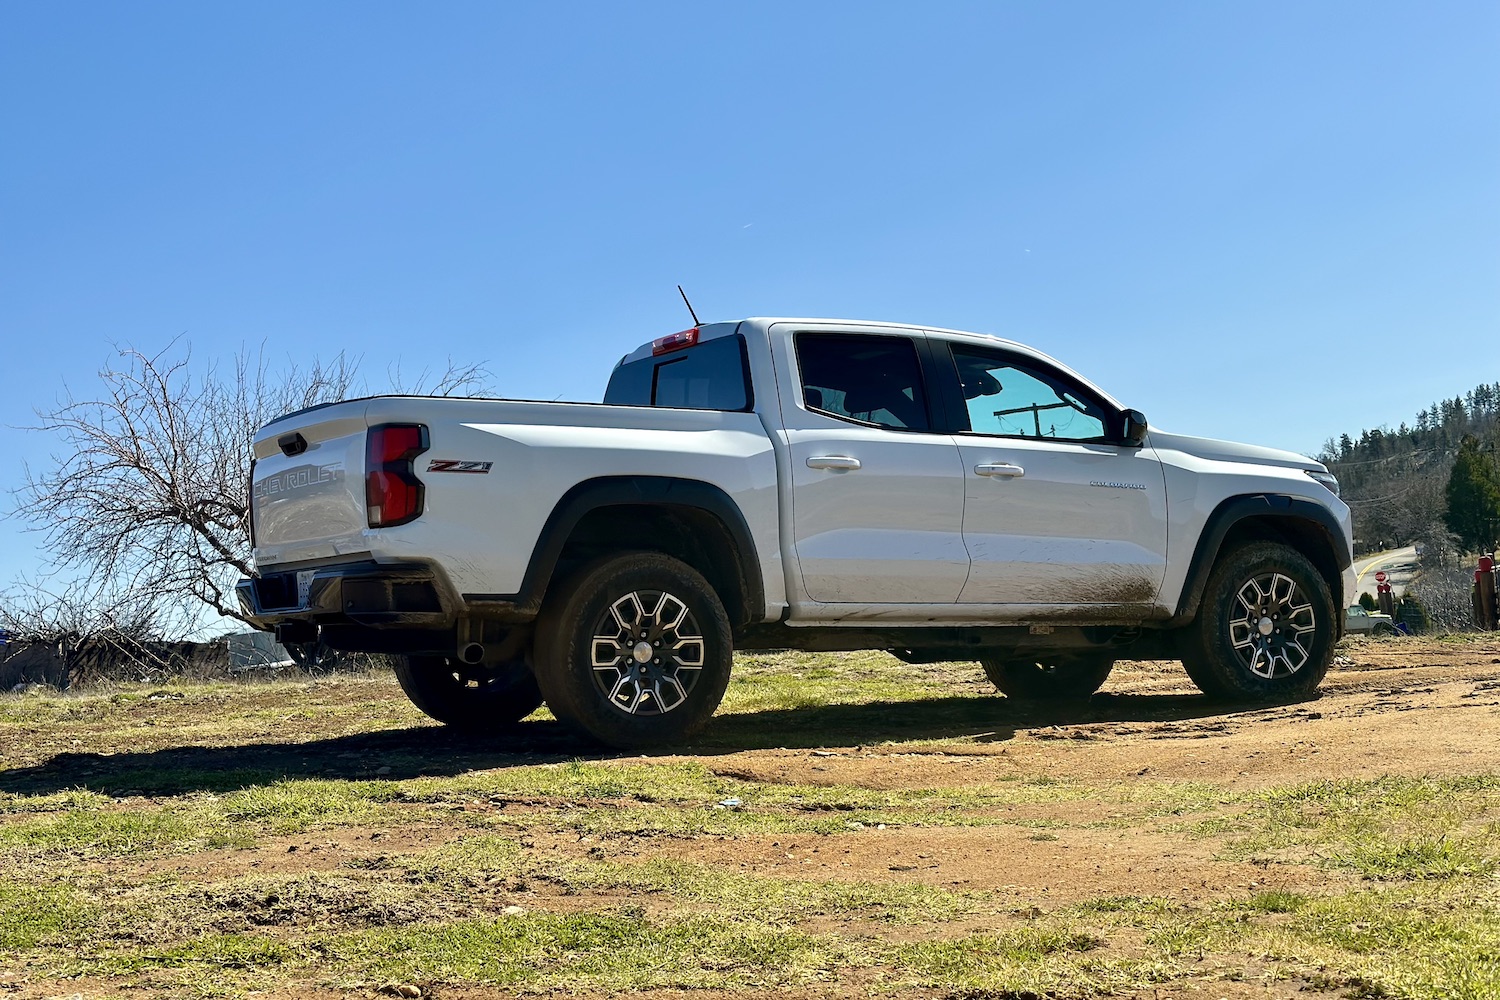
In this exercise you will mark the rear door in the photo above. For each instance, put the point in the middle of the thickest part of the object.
(877, 494)
(1059, 515)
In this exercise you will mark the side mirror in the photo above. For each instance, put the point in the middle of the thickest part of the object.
(1135, 428)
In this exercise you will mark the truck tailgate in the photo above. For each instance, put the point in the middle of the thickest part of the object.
(310, 504)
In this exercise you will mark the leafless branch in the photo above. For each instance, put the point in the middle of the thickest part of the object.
(146, 496)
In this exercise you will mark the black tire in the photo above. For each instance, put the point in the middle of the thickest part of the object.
(1265, 629)
(472, 698)
(1061, 677)
(597, 684)
(1383, 630)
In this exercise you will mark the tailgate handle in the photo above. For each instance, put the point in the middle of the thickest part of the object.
(292, 444)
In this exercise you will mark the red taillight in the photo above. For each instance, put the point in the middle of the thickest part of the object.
(393, 493)
(674, 341)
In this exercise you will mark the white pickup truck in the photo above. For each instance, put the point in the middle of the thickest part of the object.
(789, 483)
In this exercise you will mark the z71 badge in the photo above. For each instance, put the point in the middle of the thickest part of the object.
(454, 465)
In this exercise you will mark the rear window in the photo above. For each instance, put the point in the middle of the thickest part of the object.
(714, 375)
(871, 379)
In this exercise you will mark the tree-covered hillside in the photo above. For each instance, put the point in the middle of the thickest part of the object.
(1397, 480)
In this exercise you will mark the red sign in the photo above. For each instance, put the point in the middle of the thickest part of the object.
(1380, 577)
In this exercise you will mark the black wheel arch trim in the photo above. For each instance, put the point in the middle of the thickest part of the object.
(617, 491)
(1235, 510)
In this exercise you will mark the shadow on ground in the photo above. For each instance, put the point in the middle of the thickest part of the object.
(435, 751)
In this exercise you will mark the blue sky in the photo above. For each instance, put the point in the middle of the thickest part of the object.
(1267, 221)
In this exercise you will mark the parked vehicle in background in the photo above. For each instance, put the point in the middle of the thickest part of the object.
(1359, 621)
(789, 483)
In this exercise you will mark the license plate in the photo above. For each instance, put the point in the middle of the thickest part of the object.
(304, 586)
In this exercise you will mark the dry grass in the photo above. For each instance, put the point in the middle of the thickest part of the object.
(221, 839)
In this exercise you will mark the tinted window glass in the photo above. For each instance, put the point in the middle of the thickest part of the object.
(1006, 396)
(711, 376)
(874, 380)
(630, 385)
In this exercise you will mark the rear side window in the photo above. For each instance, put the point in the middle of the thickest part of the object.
(711, 376)
(872, 380)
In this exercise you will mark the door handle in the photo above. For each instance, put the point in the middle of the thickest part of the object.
(838, 463)
(1002, 470)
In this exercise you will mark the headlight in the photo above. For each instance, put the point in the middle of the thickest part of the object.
(1328, 479)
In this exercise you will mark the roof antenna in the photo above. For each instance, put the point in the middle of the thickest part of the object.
(689, 305)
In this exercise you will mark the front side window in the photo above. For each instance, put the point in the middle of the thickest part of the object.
(871, 380)
(1006, 396)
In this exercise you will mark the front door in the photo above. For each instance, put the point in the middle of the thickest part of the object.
(1058, 514)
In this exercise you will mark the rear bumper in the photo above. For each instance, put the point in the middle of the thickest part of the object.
(374, 595)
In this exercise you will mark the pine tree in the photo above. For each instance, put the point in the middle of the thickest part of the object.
(1473, 495)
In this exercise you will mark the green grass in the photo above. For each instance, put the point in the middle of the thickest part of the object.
(1276, 901)
(682, 798)
(782, 681)
(1035, 961)
(1423, 943)
(693, 886)
(34, 913)
(1391, 828)
(212, 951)
(778, 899)
(115, 833)
(1394, 893)
(608, 950)
(296, 806)
(72, 800)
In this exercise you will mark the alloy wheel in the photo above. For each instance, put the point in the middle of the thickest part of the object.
(1272, 625)
(647, 652)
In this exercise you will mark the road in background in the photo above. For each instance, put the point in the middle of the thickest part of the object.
(1398, 565)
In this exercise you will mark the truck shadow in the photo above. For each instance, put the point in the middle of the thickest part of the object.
(983, 719)
(434, 751)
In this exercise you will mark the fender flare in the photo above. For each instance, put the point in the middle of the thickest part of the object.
(1233, 511)
(614, 491)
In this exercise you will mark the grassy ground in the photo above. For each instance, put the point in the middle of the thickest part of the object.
(851, 825)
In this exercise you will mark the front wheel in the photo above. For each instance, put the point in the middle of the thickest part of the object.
(1265, 630)
(474, 698)
(1059, 677)
(634, 650)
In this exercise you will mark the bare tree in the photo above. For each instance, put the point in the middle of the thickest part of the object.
(84, 630)
(1446, 595)
(148, 495)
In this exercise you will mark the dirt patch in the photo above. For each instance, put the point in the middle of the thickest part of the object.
(1068, 866)
(1081, 803)
(1382, 711)
(325, 851)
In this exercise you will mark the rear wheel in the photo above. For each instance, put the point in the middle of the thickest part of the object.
(475, 698)
(634, 650)
(1265, 630)
(1061, 677)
